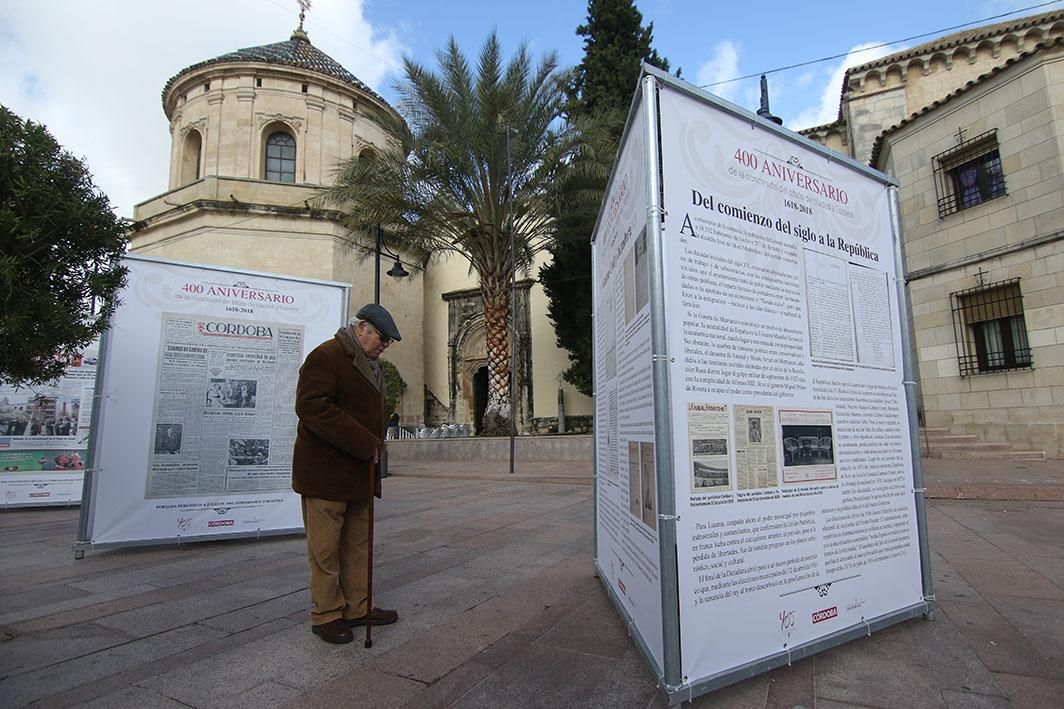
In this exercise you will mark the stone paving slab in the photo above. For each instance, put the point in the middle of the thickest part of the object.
(540, 677)
(450, 688)
(134, 698)
(100, 605)
(1026, 691)
(909, 664)
(364, 687)
(89, 675)
(498, 610)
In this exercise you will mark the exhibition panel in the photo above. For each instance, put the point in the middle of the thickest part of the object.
(755, 403)
(195, 422)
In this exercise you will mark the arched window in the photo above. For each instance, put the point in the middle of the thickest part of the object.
(190, 157)
(280, 157)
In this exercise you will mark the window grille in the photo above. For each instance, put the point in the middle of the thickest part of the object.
(969, 174)
(990, 328)
(280, 158)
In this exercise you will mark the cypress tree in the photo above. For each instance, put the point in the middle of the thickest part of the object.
(615, 45)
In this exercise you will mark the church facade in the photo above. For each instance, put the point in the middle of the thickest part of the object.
(255, 134)
(971, 126)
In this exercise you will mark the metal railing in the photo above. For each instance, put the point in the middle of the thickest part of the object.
(447, 430)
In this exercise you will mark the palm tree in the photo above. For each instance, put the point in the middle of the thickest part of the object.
(478, 162)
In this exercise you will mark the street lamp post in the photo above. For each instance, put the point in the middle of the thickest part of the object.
(398, 273)
(513, 301)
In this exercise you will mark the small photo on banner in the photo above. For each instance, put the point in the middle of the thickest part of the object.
(808, 445)
(707, 430)
(643, 483)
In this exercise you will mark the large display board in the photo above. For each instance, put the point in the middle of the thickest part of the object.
(195, 426)
(44, 433)
(789, 505)
(626, 529)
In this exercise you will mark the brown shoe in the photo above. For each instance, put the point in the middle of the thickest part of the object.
(335, 631)
(379, 617)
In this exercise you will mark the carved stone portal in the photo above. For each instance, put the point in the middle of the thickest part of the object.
(468, 357)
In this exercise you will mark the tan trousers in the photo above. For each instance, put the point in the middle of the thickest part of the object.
(337, 548)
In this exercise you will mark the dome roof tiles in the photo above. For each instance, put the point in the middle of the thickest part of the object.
(297, 52)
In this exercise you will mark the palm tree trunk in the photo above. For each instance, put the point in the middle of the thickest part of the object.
(495, 290)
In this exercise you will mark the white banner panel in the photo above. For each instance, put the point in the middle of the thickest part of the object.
(196, 421)
(793, 467)
(44, 433)
(626, 510)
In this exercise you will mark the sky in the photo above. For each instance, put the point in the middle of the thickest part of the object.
(92, 71)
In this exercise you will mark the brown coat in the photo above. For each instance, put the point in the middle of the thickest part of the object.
(340, 405)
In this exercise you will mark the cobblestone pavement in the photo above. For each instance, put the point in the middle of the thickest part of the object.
(492, 574)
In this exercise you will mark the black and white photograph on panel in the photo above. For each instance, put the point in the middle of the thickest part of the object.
(636, 277)
(808, 439)
(249, 451)
(231, 393)
(709, 463)
(635, 480)
(167, 438)
(707, 431)
(753, 429)
(648, 475)
(642, 271)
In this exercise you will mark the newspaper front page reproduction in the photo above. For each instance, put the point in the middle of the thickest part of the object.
(222, 421)
(755, 447)
(44, 432)
(707, 426)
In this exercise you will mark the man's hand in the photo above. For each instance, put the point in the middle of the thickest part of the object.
(376, 455)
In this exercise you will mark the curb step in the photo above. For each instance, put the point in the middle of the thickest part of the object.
(952, 438)
(940, 443)
(968, 454)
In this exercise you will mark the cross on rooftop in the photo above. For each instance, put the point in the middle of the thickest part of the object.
(304, 5)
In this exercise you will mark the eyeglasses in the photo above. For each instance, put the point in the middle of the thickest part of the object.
(385, 340)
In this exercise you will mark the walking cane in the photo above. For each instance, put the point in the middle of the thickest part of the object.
(369, 569)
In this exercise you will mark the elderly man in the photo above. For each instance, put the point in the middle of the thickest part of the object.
(340, 405)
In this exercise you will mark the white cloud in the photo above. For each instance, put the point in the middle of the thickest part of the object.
(813, 108)
(93, 71)
(723, 65)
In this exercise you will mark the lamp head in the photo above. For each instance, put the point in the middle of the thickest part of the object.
(397, 271)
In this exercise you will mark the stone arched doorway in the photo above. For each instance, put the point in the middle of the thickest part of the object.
(469, 358)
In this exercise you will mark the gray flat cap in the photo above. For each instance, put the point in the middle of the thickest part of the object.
(379, 318)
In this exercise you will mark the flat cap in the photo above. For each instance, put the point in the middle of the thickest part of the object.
(379, 318)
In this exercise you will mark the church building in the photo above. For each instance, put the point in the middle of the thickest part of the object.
(255, 134)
